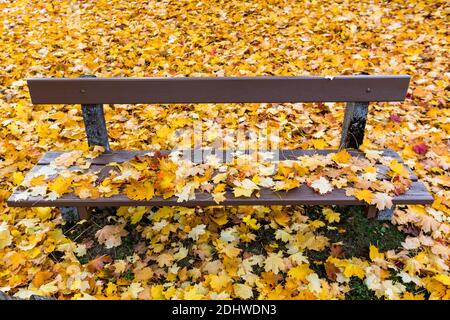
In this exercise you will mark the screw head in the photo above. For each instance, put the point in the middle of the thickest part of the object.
(83, 90)
(368, 90)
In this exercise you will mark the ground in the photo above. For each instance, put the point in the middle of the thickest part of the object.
(222, 253)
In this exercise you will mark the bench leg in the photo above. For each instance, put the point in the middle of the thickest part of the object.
(371, 212)
(354, 124)
(386, 214)
(71, 214)
(83, 213)
(94, 123)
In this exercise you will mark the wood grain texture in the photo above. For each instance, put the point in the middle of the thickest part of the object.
(218, 89)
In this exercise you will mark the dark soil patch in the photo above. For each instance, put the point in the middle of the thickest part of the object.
(359, 234)
(85, 233)
(359, 291)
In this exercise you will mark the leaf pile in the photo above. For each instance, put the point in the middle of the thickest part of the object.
(152, 174)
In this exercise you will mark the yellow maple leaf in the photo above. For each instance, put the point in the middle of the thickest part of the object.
(331, 216)
(230, 250)
(138, 213)
(86, 190)
(67, 159)
(43, 213)
(165, 259)
(192, 293)
(353, 270)
(111, 289)
(319, 143)
(412, 296)
(300, 170)
(322, 185)
(251, 222)
(140, 190)
(60, 185)
(443, 278)
(163, 132)
(316, 224)
(399, 168)
(341, 157)
(17, 178)
(156, 292)
(219, 188)
(300, 272)
(220, 219)
(218, 282)
(181, 254)
(134, 289)
(364, 195)
(37, 180)
(242, 192)
(382, 201)
(375, 254)
(163, 213)
(283, 170)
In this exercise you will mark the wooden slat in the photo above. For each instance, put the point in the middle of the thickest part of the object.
(357, 88)
(304, 195)
(120, 156)
(103, 170)
(300, 196)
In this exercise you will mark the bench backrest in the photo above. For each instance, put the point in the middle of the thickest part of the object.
(92, 93)
(357, 88)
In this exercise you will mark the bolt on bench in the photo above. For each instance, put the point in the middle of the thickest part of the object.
(91, 92)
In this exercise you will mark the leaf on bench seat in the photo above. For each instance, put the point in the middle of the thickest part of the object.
(321, 185)
(164, 175)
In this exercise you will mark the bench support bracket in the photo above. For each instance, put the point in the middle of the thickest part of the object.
(94, 123)
(354, 125)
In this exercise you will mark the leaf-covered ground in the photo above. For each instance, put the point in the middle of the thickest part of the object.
(214, 253)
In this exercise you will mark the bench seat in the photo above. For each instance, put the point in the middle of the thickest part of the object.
(417, 194)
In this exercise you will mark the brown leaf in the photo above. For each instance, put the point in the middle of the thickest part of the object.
(98, 263)
(331, 271)
(336, 250)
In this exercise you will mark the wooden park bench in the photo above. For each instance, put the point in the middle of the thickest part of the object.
(91, 92)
